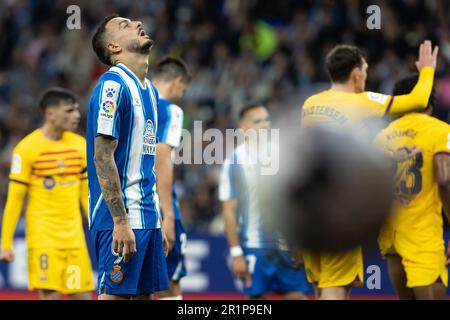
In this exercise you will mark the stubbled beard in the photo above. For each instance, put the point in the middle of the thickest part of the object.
(141, 48)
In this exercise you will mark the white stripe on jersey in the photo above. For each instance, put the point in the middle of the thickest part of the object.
(94, 212)
(225, 193)
(108, 107)
(154, 102)
(250, 215)
(133, 171)
(251, 175)
(156, 199)
(156, 124)
(175, 126)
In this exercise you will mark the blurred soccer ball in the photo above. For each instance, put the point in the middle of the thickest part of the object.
(334, 190)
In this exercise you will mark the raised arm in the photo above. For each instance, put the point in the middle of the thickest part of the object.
(124, 242)
(418, 98)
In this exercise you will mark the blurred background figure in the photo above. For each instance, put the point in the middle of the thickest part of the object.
(259, 256)
(171, 78)
(49, 171)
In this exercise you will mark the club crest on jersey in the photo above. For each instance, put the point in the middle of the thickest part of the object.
(116, 275)
(49, 182)
(149, 146)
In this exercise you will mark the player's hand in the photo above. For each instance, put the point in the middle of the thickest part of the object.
(239, 269)
(405, 153)
(427, 56)
(165, 243)
(169, 230)
(124, 241)
(7, 255)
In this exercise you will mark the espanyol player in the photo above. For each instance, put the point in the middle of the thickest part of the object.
(171, 78)
(122, 123)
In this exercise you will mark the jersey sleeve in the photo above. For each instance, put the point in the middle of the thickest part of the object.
(21, 164)
(378, 104)
(170, 125)
(228, 181)
(109, 107)
(418, 98)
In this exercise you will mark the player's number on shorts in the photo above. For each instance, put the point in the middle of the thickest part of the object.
(251, 262)
(43, 261)
(413, 172)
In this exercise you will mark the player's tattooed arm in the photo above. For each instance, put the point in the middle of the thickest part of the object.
(124, 242)
(108, 176)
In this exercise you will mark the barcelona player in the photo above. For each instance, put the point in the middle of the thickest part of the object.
(347, 105)
(171, 78)
(412, 239)
(122, 123)
(260, 257)
(50, 166)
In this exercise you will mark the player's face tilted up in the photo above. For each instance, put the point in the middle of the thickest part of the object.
(126, 35)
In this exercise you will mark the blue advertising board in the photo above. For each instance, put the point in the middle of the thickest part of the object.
(207, 263)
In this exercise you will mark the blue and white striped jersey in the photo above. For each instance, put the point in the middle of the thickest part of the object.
(122, 108)
(170, 125)
(240, 180)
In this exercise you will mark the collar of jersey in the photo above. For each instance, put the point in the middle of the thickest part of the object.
(132, 75)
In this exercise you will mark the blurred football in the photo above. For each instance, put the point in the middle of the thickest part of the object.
(334, 190)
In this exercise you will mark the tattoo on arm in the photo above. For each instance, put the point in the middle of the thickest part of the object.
(108, 176)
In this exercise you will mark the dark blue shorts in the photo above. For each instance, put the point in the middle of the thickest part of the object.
(145, 273)
(176, 266)
(272, 272)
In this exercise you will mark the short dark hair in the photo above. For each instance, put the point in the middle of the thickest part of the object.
(341, 61)
(98, 41)
(248, 107)
(407, 84)
(53, 96)
(169, 68)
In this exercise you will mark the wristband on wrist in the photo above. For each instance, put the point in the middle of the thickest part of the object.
(236, 251)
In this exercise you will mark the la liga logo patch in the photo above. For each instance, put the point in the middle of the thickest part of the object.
(108, 106)
(116, 275)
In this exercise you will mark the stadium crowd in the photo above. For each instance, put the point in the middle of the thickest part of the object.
(238, 51)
